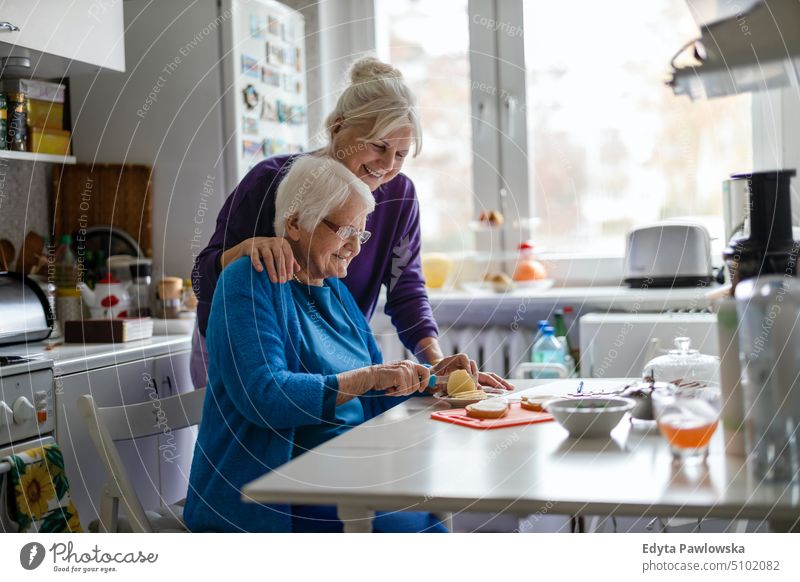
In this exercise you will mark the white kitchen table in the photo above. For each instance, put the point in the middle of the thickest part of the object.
(404, 460)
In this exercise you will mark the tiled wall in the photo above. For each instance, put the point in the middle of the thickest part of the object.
(24, 199)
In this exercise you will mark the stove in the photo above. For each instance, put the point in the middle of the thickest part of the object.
(13, 365)
(27, 415)
(26, 399)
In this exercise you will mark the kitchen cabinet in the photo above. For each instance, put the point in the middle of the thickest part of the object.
(159, 465)
(63, 38)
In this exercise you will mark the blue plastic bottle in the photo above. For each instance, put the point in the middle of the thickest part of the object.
(541, 324)
(549, 349)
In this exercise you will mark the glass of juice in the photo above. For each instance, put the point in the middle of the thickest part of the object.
(687, 418)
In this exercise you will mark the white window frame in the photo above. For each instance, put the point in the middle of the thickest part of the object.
(500, 158)
(500, 146)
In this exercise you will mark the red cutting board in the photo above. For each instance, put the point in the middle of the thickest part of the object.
(516, 416)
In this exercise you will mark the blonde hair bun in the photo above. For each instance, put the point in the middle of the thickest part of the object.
(375, 103)
(370, 69)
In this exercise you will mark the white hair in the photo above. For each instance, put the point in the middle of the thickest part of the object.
(376, 102)
(314, 187)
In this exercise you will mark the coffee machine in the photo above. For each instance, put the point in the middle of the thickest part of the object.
(764, 246)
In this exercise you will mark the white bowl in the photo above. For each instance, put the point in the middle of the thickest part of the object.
(589, 417)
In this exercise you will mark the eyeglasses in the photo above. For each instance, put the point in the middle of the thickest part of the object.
(347, 232)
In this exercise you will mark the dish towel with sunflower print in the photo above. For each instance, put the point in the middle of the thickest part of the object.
(41, 492)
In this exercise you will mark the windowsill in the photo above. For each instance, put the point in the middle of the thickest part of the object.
(566, 269)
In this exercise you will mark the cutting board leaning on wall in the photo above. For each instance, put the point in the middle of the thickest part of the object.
(114, 195)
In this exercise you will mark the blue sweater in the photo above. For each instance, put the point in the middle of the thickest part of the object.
(257, 396)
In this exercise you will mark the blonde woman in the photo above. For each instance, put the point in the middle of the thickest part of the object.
(372, 130)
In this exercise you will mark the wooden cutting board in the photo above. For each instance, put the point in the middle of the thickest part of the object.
(104, 195)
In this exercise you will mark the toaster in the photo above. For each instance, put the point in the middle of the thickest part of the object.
(668, 254)
(25, 314)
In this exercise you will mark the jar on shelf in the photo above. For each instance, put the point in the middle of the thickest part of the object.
(69, 305)
(528, 267)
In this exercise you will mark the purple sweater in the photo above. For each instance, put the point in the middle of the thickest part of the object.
(390, 258)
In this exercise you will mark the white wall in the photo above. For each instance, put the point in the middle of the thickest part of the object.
(180, 135)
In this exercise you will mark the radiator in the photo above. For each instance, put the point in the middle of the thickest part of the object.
(495, 349)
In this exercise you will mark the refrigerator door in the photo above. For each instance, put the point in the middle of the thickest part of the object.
(264, 83)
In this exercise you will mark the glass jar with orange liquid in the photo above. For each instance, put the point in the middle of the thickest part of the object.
(687, 418)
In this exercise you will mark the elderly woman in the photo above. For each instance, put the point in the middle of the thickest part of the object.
(373, 128)
(293, 365)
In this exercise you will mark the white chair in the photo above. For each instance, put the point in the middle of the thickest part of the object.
(108, 425)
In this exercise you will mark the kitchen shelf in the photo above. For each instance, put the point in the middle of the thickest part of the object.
(34, 157)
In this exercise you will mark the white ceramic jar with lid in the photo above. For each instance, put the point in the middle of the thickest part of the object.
(684, 366)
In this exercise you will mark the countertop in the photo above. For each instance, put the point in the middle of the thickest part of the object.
(73, 358)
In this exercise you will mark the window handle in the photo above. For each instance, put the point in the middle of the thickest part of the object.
(6, 26)
(481, 117)
(510, 102)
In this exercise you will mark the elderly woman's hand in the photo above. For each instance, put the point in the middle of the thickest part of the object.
(395, 378)
(275, 251)
(401, 378)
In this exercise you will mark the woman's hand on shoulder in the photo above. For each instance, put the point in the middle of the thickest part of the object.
(273, 250)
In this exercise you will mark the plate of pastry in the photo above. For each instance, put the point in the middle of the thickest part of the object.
(461, 390)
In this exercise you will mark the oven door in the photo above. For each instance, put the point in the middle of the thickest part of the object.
(7, 525)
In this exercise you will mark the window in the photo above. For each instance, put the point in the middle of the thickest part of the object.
(587, 139)
(429, 43)
(609, 145)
